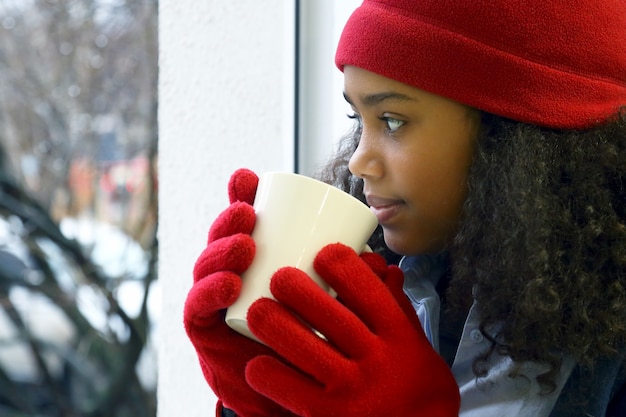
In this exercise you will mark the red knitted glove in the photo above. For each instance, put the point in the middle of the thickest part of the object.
(375, 363)
(393, 279)
(222, 352)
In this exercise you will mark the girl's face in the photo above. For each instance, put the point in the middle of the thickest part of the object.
(413, 156)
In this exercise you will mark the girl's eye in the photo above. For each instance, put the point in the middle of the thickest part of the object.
(356, 118)
(392, 124)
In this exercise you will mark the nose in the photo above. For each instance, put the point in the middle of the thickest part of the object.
(366, 161)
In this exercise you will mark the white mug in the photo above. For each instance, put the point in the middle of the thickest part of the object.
(296, 217)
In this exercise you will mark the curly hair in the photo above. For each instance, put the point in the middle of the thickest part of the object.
(541, 241)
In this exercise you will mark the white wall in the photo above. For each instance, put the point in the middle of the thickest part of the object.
(226, 81)
(226, 101)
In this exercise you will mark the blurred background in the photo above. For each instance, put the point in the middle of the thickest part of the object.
(79, 294)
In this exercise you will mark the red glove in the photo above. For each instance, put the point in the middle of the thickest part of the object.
(223, 353)
(375, 363)
(394, 280)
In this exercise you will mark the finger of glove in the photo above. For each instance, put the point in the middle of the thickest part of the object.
(232, 253)
(359, 287)
(294, 340)
(297, 291)
(394, 282)
(393, 278)
(207, 297)
(284, 385)
(242, 186)
(239, 217)
(223, 356)
(376, 263)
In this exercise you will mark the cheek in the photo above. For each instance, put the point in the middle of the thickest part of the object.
(443, 181)
(434, 207)
(442, 198)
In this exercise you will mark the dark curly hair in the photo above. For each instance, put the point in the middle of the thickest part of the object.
(542, 240)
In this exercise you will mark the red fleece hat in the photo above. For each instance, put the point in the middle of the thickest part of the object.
(559, 64)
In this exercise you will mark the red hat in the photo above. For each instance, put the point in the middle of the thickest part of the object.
(559, 64)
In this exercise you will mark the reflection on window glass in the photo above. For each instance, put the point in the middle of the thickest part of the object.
(78, 207)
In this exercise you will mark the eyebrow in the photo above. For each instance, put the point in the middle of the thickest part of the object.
(377, 98)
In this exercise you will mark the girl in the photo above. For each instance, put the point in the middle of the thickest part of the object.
(490, 142)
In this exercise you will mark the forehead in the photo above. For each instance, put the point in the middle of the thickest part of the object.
(365, 89)
(360, 83)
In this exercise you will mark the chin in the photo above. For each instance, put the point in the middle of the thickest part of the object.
(400, 246)
(410, 247)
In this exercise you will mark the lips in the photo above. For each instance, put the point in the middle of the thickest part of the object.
(385, 209)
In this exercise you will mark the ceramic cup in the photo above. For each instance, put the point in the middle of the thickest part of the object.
(296, 217)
